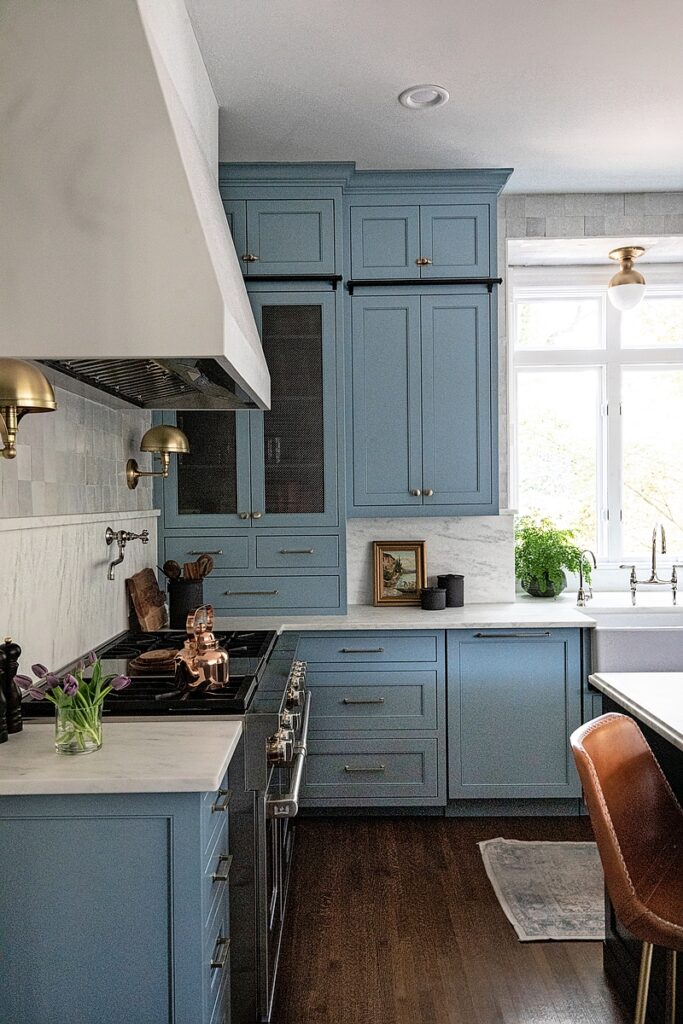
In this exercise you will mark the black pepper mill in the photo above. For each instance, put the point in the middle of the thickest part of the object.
(9, 654)
(4, 735)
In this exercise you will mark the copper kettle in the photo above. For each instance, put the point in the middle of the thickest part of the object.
(202, 664)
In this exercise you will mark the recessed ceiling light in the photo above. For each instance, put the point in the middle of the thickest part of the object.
(423, 97)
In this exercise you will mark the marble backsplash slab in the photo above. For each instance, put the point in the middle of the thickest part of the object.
(55, 598)
(479, 547)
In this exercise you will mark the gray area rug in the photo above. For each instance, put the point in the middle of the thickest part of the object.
(548, 890)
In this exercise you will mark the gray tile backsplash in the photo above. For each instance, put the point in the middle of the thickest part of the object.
(73, 461)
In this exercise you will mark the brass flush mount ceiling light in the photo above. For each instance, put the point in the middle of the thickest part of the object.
(163, 441)
(23, 389)
(627, 287)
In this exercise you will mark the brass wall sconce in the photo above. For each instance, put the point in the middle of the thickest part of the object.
(163, 441)
(23, 389)
(627, 287)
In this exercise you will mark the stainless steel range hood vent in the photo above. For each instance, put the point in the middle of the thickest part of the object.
(159, 384)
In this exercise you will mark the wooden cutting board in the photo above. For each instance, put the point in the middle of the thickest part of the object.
(148, 600)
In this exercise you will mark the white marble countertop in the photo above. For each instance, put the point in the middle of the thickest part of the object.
(136, 757)
(525, 612)
(655, 698)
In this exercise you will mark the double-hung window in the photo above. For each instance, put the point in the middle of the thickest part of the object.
(597, 407)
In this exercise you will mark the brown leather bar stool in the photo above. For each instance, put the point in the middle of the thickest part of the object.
(638, 826)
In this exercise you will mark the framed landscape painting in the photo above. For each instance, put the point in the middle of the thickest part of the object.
(400, 571)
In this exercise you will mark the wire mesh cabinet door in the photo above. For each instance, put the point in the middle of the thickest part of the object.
(293, 445)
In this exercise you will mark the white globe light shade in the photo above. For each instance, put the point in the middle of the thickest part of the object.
(626, 296)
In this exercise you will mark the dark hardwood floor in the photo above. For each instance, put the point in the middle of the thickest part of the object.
(393, 921)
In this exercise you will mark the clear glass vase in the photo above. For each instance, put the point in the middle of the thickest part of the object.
(78, 729)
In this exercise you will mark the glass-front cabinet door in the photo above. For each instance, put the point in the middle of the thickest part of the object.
(275, 468)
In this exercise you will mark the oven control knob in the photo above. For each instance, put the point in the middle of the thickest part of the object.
(290, 720)
(280, 746)
(295, 696)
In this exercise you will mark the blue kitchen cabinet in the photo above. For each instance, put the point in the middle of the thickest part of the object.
(378, 719)
(514, 698)
(287, 237)
(423, 405)
(420, 242)
(115, 907)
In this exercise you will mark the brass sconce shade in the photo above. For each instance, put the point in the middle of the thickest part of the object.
(163, 441)
(23, 389)
(627, 287)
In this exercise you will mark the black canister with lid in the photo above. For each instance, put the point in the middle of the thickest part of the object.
(454, 585)
(433, 599)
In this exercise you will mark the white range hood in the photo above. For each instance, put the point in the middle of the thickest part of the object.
(113, 242)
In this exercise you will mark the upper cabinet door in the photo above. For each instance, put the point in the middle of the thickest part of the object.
(387, 442)
(385, 241)
(294, 444)
(289, 237)
(236, 216)
(456, 400)
(210, 486)
(455, 239)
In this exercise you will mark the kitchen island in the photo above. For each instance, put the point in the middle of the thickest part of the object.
(114, 897)
(655, 701)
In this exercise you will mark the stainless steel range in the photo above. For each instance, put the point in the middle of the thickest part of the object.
(266, 688)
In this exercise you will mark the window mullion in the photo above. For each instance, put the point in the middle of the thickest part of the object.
(614, 479)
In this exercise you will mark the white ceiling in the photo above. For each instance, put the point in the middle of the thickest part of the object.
(580, 96)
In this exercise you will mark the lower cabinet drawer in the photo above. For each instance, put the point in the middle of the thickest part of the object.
(358, 772)
(372, 700)
(255, 593)
(297, 552)
(361, 646)
(214, 816)
(227, 552)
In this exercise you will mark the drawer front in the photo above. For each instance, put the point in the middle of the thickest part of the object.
(227, 552)
(214, 817)
(297, 552)
(342, 649)
(216, 875)
(256, 593)
(376, 700)
(360, 771)
(217, 951)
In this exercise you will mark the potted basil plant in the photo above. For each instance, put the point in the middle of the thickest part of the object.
(542, 552)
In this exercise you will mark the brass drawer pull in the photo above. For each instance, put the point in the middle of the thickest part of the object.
(222, 876)
(250, 593)
(297, 551)
(221, 953)
(370, 768)
(361, 650)
(217, 807)
(365, 700)
(423, 261)
(249, 257)
(219, 552)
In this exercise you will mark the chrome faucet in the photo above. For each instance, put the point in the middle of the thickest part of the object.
(122, 537)
(654, 578)
(582, 597)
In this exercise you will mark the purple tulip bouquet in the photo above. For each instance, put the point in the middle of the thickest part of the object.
(78, 702)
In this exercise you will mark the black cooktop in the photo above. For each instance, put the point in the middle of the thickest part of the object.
(153, 692)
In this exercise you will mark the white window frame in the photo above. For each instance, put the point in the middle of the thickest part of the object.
(591, 282)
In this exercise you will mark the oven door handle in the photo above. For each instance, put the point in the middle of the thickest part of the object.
(287, 806)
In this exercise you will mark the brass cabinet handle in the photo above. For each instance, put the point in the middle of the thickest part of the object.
(250, 593)
(424, 261)
(370, 768)
(218, 876)
(428, 493)
(220, 953)
(512, 636)
(297, 551)
(361, 650)
(416, 492)
(217, 806)
(243, 515)
(256, 515)
(364, 700)
(218, 552)
(249, 257)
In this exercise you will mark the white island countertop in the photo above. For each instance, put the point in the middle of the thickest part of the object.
(654, 698)
(154, 756)
(526, 612)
